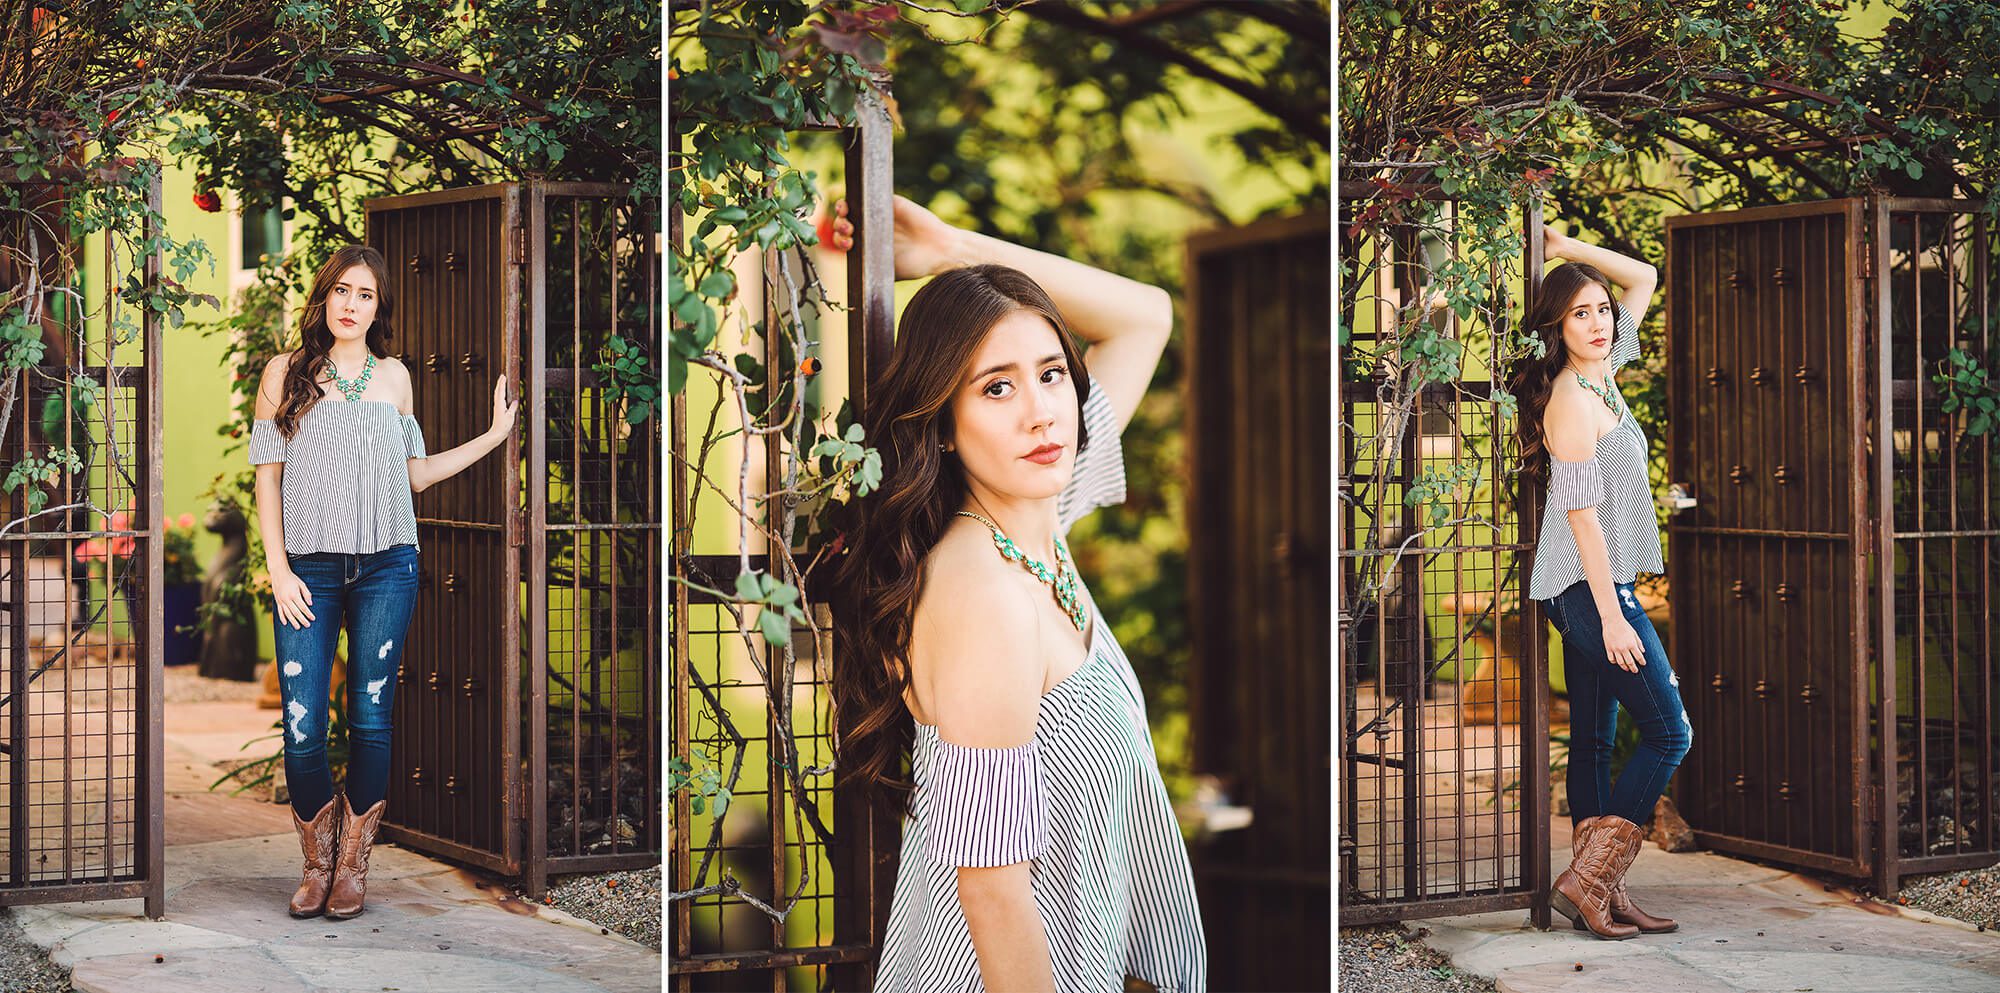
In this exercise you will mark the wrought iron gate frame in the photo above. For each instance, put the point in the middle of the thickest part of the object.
(507, 860)
(523, 848)
(1875, 767)
(1859, 534)
(1533, 891)
(148, 881)
(1890, 864)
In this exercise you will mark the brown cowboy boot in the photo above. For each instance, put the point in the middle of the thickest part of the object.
(350, 874)
(316, 841)
(1583, 892)
(1623, 910)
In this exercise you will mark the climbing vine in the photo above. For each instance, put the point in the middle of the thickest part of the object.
(744, 77)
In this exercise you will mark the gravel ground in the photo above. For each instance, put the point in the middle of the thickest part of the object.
(1972, 897)
(1385, 958)
(625, 902)
(24, 966)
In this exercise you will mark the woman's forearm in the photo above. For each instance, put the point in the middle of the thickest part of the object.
(1596, 557)
(1099, 306)
(1629, 273)
(1007, 934)
(430, 471)
(271, 517)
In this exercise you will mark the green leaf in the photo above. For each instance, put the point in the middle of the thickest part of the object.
(718, 284)
(776, 629)
(747, 587)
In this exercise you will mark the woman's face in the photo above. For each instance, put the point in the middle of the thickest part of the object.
(1587, 324)
(350, 305)
(1015, 415)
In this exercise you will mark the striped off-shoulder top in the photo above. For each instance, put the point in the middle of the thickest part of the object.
(1615, 481)
(347, 481)
(1082, 802)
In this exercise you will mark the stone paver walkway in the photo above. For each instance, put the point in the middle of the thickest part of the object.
(1745, 928)
(231, 866)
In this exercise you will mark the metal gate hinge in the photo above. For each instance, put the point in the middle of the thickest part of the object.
(521, 246)
(1866, 262)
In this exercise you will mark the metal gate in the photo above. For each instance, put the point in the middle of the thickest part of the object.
(1444, 694)
(1768, 415)
(81, 760)
(1792, 332)
(526, 732)
(1937, 591)
(1259, 584)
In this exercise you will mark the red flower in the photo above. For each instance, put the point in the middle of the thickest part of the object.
(112, 118)
(208, 200)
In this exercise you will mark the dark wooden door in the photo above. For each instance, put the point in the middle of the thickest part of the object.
(1260, 572)
(1767, 379)
(455, 267)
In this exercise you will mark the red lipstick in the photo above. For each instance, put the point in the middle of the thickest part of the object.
(1045, 455)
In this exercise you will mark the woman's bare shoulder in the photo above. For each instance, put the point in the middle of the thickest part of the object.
(1569, 424)
(397, 376)
(961, 575)
(974, 670)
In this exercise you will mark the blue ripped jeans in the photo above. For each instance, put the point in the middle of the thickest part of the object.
(371, 596)
(1596, 689)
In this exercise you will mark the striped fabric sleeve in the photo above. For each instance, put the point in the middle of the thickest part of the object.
(1575, 485)
(413, 437)
(266, 444)
(1624, 340)
(987, 806)
(1098, 479)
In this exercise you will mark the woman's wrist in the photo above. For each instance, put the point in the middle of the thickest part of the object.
(961, 250)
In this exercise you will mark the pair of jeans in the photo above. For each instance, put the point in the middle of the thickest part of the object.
(371, 596)
(1596, 690)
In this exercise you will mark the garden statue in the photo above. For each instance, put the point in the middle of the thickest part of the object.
(229, 645)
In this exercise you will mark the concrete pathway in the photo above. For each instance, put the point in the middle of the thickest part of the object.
(231, 866)
(1745, 928)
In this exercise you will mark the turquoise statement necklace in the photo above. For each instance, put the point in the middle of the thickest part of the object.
(1608, 394)
(351, 388)
(1062, 580)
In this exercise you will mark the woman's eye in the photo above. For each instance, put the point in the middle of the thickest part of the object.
(1054, 374)
(997, 388)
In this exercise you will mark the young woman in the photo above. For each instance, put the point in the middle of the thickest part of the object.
(1039, 850)
(1597, 534)
(337, 456)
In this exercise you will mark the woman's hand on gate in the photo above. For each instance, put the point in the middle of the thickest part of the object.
(924, 244)
(294, 599)
(1554, 243)
(1622, 645)
(504, 409)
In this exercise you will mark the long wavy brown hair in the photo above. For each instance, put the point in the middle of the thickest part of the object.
(1533, 379)
(302, 389)
(889, 534)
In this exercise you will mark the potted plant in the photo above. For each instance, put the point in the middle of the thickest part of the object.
(180, 580)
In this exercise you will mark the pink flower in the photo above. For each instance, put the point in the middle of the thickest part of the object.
(186, 521)
(121, 521)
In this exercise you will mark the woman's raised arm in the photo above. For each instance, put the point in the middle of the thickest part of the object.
(1125, 322)
(1636, 278)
